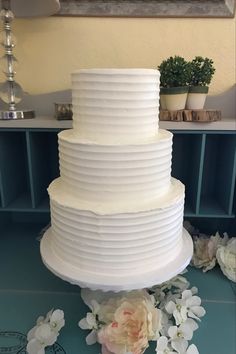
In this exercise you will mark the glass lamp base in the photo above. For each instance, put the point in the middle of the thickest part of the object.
(8, 115)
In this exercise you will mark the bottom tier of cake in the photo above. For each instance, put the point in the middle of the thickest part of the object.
(95, 281)
(116, 249)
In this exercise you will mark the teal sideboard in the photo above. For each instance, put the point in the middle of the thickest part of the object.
(204, 160)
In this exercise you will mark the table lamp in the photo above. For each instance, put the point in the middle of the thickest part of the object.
(10, 91)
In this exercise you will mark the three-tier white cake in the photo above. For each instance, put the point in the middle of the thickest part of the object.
(116, 212)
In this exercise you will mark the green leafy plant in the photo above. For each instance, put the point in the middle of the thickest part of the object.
(175, 72)
(202, 71)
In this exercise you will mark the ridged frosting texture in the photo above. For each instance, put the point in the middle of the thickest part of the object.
(115, 172)
(115, 210)
(121, 243)
(116, 104)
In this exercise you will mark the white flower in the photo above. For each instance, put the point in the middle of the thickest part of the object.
(192, 349)
(181, 335)
(205, 249)
(187, 306)
(40, 320)
(192, 304)
(43, 337)
(178, 310)
(163, 347)
(178, 282)
(91, 322)
(45, 332)
(226, 257)
(57, 320)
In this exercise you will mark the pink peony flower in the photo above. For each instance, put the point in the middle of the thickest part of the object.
(134, 321)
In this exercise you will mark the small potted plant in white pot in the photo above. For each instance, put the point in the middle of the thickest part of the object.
(175, 74)
(202, 71)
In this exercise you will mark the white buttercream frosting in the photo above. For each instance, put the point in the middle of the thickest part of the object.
(116, 104)
(106, 241)
(60, 195)
(115, 210)
(116, 172)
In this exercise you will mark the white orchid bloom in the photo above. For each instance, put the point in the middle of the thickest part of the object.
(192, 303)
(43, 337)
(163, 346)
(57, 320)
(91, 322)
(178, 310)
(180, 336)
(46, 335)
(40, 320)
(188, 305)
(45, 332)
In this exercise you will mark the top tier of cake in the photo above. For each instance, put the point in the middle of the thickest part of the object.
(116, 105)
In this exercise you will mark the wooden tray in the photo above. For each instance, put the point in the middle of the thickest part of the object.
(189, 115)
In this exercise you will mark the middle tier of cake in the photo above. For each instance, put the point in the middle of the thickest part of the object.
(118, 173)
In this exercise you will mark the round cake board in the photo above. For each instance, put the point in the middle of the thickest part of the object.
(96, 281)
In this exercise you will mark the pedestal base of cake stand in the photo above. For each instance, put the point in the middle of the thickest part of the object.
(96, 281)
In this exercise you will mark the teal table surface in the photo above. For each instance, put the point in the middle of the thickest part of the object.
(28, 289)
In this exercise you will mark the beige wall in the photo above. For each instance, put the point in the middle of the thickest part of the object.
(50, 49)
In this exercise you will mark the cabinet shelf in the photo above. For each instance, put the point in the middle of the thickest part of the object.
(211, 207)
(218, 179)
(21, 202)
(205, 161)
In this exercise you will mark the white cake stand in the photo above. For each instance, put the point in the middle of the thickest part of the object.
(117, 283)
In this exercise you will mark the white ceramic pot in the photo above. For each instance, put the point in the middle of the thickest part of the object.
(196, 97)
(174, 98)
(176, 102)
(163, 101)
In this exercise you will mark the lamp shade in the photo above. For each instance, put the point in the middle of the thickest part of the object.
(33, 8)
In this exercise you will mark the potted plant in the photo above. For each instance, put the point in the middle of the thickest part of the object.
(175, 73)
(201, 70)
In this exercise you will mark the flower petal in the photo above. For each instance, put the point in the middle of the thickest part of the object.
(186, 330)
(91, 320)
(162, 343)
(170, 307)
(193, 301)
(191, 314)
(45, 335)
(57, 316)
(91, 338)
(31, 333)
(41, 320)
(105, 350)
(95, 306)
(48, 316)
(83, 324)
(34, 347)
(186, 294)
(192, 324)
(180, 345)
(199, 311)
(192, 349)
(172, 331)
